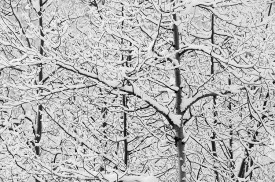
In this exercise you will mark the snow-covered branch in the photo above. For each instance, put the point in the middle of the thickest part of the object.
(172, 118)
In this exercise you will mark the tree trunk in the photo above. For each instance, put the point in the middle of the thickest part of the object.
(125, 131)
(124, 102)
(231, 155)
(179, 129)
(38, 129)
(213, 137)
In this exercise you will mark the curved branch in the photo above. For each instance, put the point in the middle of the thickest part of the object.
(172, 118)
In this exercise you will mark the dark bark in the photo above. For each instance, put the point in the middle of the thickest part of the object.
(38, 129)
(125, 131)
(124, 102)
(213, 137)
(231, 163)
(179, 129)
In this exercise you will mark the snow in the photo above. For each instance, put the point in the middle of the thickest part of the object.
(119, 139)
(223, 60)
(139, 179)
(272, 143)
(192, 3)
(186, 102)
(18, 60)
(176, 119)
(233, 88)
(133, 89)
(113, 177)
(203, 2)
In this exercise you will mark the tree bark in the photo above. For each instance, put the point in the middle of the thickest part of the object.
(124, 102)
(38, 129)
(231, 154)
(179, 129)
(213, 137)
(125, 131)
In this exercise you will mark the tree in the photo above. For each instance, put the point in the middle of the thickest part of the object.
(128, 88)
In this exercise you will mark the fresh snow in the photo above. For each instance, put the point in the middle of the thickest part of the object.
(233, 88)
(139, 179)
(113, 177)
(186, 103)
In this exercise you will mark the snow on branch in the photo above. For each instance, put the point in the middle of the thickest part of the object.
(203, 2)
(172, 118)
(209, 50)
(188, 102)
(130, 178)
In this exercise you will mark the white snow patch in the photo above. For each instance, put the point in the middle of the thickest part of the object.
(191, 4)
(139, 179)
(176, 119)
(111, 177)
(233, 88)
(203, 2)
(186, 103)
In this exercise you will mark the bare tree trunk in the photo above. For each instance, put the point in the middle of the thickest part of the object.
(38, 129)
(231, 155)
(125, 100)
(179, 129)
(125, 131)
(213, 137)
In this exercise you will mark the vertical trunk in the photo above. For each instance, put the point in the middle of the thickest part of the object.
(104, 112)
(38, 129)
(125, 131)
(213, 137)
(242, 169)
(125, 100)
(179, 129)
(231, 164)
(125, 128)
